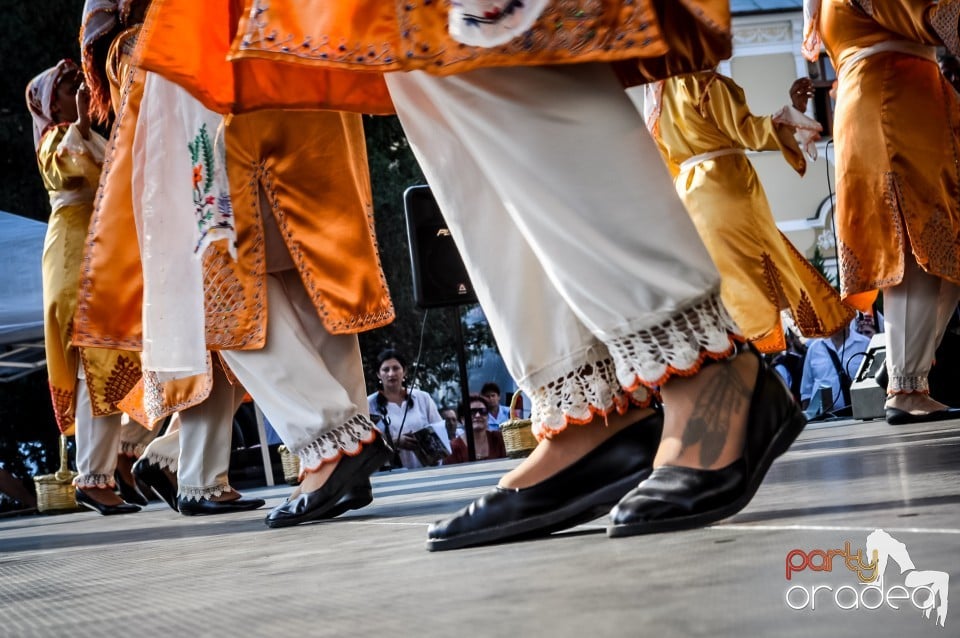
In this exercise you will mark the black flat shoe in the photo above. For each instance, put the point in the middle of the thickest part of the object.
(106, 510)
(152, 475)
(582, 492)
(206, 507)
(675, 498)
(129, 492)
(895, 416)
(347, 488)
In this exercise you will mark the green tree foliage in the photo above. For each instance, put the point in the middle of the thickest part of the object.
(393, 169)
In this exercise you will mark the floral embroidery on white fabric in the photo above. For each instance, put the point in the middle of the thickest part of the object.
(211, 192)
(490, 23)
(165, 462)
(676, 344)
(346, 439)
(192, 493)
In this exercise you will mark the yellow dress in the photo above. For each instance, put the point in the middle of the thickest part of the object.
(896, 130)
(70, 167)
(761, 272)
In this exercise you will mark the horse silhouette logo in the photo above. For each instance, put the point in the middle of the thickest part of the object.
(885, 548)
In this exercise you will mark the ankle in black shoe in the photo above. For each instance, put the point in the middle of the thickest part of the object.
(208, 507)
(675, 498)
(579, 493)
(895, 416)
(128, 491)
(152, 474)
(348, 487)
(107, 510)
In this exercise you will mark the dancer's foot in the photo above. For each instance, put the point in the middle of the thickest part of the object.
(709, 467)
(104, 500)
(570, 479)
(126, 483)
(333, 488)
(706, 415)
(557, 453)
(903, 409)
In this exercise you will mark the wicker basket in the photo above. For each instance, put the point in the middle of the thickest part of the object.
(517, 433)
(55, 492)
(291, 465)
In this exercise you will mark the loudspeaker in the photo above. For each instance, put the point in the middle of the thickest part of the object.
(439, 276)
(866, 396)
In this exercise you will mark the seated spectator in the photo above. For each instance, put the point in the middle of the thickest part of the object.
(487, 444)
(451, 421)
(833, 362)
(498, 413)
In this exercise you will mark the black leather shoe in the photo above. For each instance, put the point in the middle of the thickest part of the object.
(129, 492)
(206, 507)
(896, 416)
(106, 510)
(347, 488)
(675, 498)
(152, 475)
(579, 493)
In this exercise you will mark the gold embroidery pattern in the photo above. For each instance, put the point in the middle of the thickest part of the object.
(943, 19)
(124, 376)
(806, 316)
(223, 299)
(773, 280)
(62, 400)
(565, 27)
(938, 240)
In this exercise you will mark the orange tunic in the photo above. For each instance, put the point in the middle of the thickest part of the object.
(896, 131)
(306, 53)
(319, 195)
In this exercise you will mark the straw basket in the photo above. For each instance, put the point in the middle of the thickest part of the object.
(55, 492)
(517, 433)
(291, 465)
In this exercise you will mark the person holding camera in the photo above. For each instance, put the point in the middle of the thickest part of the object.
(402, 412)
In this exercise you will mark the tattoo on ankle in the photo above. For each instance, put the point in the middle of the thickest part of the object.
(714, 411)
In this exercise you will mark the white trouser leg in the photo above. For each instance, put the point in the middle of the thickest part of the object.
(98, 439)
(916, 313)
(134, 438)
(165, 449)
(205, 434)
(568, 222)
(308, 382)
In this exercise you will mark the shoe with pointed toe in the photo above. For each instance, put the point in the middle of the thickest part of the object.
(348, 487)
(895, 416)
(107, 510)
(675, 498)
(152, 475)
(128, 491)
(207, 507)
(585, 490)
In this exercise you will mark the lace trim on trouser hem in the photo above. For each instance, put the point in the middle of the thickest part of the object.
(346, 439)
(197, 493)
(133, 450)
(908, 385)
(677, 346)
(165, 462)
(586, 391)
(95, 480)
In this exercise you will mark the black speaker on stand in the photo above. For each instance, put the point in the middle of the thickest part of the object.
(439, 277)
